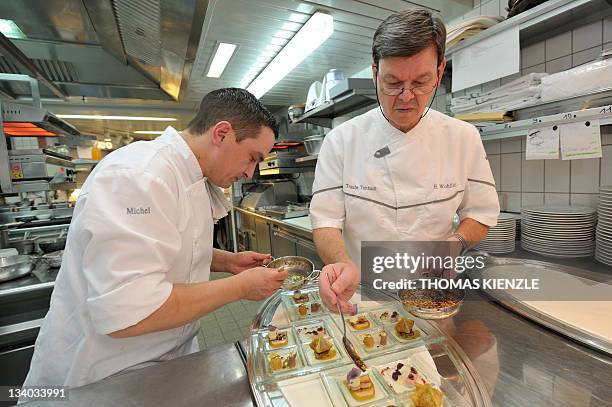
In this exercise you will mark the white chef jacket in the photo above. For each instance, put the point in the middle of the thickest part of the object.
(378, 183)
(142, 222)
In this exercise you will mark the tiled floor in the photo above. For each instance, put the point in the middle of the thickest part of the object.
(227, 324)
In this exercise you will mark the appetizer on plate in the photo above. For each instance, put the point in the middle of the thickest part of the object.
(360, 385)
(427, 396)
(302, 310)
(309, 332)
(402, 377)
(308, 309)
(405, 329)
(388, 316)
(373, 340)
(277, 338)
(300, 297)
(358, 322)
(279, 362)
(323, 348)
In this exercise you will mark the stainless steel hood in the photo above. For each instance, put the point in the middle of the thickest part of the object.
(15, 114)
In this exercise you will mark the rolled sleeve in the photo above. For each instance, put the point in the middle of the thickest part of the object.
(327, 204)
(130, 244)
(480, 201)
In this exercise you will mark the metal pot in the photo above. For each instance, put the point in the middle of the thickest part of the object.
(313, 144)
(15, 266)
(52, 245)
(24, 246)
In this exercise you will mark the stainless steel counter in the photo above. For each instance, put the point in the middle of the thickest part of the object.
(214, 377)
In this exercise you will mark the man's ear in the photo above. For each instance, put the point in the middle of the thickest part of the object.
(441, 69)
(374, 71)
(220, 131)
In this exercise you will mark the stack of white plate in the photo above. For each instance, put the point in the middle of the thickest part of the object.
(603, 241)
(559, 231)
(501, 237)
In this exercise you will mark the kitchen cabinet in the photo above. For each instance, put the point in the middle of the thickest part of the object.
(307, 249)
(283, 243)
(262, 236)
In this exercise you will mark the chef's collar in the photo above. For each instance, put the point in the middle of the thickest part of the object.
(170, 135)
(395, 133)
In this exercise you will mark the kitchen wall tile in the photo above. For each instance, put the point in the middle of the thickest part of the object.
(584, 176)
(510, 78)
(587, 36)
(512, 145)
(490, 8)
(513, 202)
(532, 198)
(590, 200)
(533, 54)
(559, 64)
(606, 166)
(491, 85)
(556, 176)
(534, 69)
(532, 174)
(511, 172)
(559, 46)
(492, 146)
(495, 163)
(585, 56)
(607, 29)
(556, 199)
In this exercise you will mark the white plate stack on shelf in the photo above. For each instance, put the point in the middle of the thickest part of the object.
(603, 241)
(559, 231)
(501, 238)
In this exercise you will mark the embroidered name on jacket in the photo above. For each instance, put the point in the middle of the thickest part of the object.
(360, 187)
(139, 211)
(445, 186)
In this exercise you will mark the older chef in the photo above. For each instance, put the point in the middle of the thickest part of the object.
(401, 170)
(134, 276)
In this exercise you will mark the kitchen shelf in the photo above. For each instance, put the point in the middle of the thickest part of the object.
(282, 171)
(85, 161)
(348, 102)
(521, 127)
(542, 20)
(35, 186)
(307, 158)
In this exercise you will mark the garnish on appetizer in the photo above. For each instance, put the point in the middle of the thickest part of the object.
(427, 396)
(323, 348)
(358, 322)
(299, 297)
(368, 341)
(277, 362)
(277, 338)
(303, 310)
(315, 307)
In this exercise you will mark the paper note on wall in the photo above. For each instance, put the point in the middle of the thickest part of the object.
(542, 143)
(580, 140)
(491, 58)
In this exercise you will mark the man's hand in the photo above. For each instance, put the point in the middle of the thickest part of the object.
(260, 282)
(241, 261)
(345, 278)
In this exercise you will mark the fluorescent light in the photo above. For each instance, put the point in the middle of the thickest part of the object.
(10, 29)
(220, 60)
(103, 117)
(312, 34)
(149, 132)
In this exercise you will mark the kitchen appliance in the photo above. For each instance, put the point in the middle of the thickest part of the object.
(40, 164)
(284, 162)
(12, 267)
(332, 78)
(313, 99)
(284, 211)
(268, 194)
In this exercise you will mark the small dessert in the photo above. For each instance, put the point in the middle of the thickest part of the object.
(427, 396)
(360, 385)
(404, 329)
(276, 362)
(358, 322)
(299, 297)
(303, 310)
(315, 307)
(323, 348)
(384, 316)
(402, 377)
(368, 341)
(277, 338)
(291, 360)
(383, 338)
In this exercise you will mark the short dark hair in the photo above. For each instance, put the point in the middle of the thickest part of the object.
(407, 33)
(237, 106)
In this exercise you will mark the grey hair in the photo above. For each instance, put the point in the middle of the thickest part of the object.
(407, 33)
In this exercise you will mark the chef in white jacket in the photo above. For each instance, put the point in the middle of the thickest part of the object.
(400, 171)
(135, 273)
